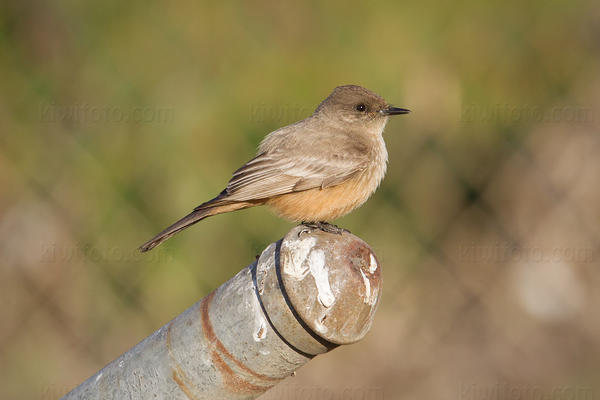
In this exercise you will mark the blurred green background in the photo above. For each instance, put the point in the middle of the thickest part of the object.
(117, 118)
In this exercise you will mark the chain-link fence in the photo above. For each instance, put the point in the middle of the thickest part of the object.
(487, 225)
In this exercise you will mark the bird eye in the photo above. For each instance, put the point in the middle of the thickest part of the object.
(361, 107)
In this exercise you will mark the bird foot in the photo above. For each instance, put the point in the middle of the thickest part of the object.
(323, 226)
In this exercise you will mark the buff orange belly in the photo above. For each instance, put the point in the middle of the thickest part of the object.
(326, 204)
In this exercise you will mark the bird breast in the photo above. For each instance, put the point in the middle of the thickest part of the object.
(326, 204)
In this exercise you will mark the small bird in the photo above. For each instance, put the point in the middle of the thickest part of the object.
(315, 170)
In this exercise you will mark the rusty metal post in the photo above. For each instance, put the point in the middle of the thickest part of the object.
(306, 294)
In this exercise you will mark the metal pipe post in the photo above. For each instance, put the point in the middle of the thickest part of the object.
(305, 295)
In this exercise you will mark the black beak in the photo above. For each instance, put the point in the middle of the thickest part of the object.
(394, 111)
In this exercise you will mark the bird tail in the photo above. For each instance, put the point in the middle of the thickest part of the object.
(203, 211)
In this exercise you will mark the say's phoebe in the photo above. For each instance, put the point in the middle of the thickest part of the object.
(315, 170)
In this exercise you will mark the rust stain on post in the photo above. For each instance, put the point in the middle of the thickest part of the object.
(232, 380)
(363, 259)
(182, 386)
(177, 373)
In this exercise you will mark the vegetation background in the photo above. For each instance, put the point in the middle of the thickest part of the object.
(117, 117)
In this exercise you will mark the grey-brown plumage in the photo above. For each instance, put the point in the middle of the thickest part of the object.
(317, 169)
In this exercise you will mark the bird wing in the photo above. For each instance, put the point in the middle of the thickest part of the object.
(272, 174)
